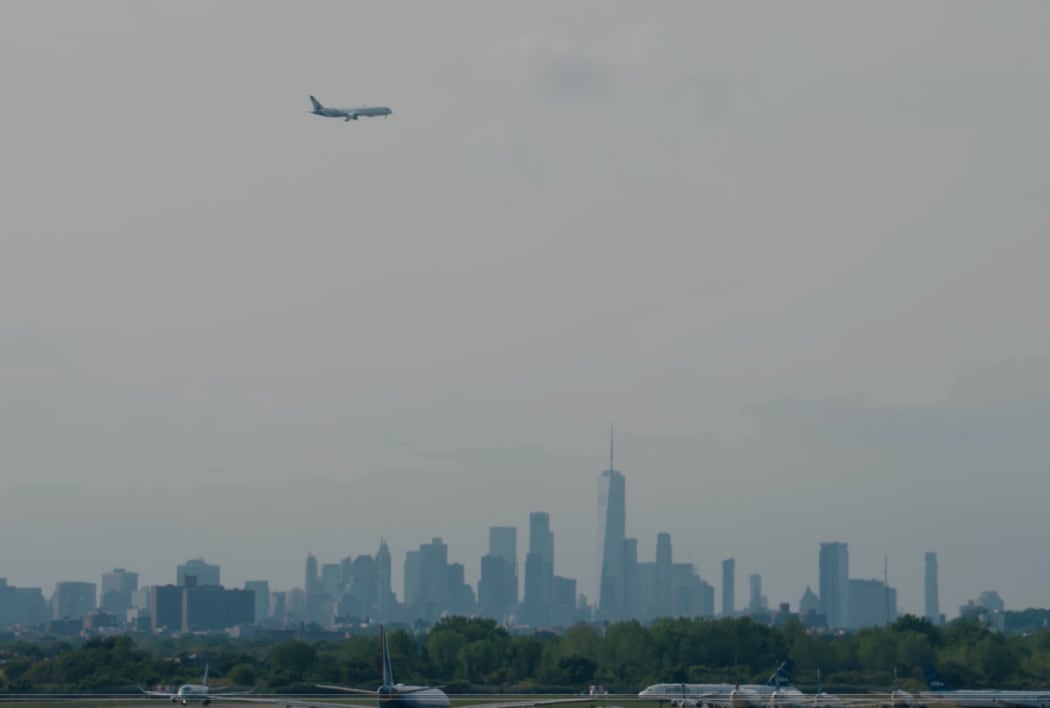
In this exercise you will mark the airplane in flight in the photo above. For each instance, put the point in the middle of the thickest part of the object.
(940, 692)
(398, 695)
(194, 692)
(777, 691)
(348, 114)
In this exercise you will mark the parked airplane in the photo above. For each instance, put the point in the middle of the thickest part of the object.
(193, 692)
(348, 114)
(940, 692)
(777, 691)
(684, 695)
(399, 695)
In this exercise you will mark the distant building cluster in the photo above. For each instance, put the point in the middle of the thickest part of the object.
(358, 589)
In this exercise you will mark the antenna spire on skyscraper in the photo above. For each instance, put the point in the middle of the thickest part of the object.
(611, 433)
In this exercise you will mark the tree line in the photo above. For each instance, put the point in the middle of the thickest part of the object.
(476, 655)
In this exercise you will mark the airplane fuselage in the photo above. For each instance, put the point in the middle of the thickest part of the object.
(723, 695)
(352, 113)
(685, 695)
(191, 692)
(402, 696)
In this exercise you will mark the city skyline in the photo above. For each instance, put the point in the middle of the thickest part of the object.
(795, 251)
(433, 587)
(538, 573)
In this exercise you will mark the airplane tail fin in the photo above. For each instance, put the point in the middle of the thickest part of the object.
(933, 679)
(206, 667)
(782, 676)
(317, 104)
(388, 672)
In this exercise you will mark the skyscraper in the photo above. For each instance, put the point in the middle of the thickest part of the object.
(632, 598)
(261, 591)
(728, 587)
(612, 530)
(387, 601)
(834, 584)
(312, 582)
(933, 604)
(205, 573)
(756, 601)
(503, 542)
(539, 569)
(662, 577)
(871, 603)
(117, 587)
(492, 587)
(72, 599)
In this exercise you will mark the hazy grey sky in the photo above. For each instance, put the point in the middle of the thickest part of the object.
(796, 251)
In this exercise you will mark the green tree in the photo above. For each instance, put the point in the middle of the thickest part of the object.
(294, 657)
(242, 675)
(443, 648)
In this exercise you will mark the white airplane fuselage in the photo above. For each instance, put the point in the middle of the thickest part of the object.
(192, 692)
(723, 695)
(348, 114)
(685, 695)
(402, 696)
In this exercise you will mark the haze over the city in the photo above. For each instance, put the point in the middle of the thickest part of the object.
(796, 252)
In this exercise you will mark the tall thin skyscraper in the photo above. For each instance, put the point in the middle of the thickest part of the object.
(312, 582)
(503, 542)
(539, 569)
(632, 602)
(728, 587)
(612, 530)
(754, 584)
(933, 604)
(387, 601)
(834, 584)
(662, 576)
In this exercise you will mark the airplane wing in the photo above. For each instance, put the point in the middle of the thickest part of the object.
(293, 702)
(223, 691)
(543, 702)
(290, 702)
(347, 689)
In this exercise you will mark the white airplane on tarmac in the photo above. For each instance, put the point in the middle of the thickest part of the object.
(190, 692)
(777, 691)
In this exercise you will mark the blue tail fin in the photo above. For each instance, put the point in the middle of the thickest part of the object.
(933, 679)
(317, 104)
(388, 673)
(782, 676)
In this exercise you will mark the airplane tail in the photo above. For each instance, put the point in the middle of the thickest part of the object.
(933, 679)
(782, 676)
(206, 667)
(317, 104)
(388, 672)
